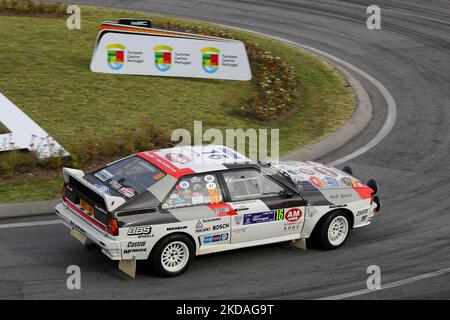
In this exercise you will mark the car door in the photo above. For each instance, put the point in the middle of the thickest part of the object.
(198, 201)
(264, 207)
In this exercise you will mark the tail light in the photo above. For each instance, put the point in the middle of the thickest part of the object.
(113, 226)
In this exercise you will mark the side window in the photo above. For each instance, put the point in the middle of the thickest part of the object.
(250, 184)
(195, 190)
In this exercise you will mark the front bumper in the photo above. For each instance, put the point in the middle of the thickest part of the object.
(110, 247)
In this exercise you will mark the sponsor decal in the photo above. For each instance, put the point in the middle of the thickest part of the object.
(307, 171)
(210, 59)
(361, 212)
(347, 181)
(209, 178)
(240, 230)
(115, 185)
(136, 231)
(210, 220)
(238, 219)
(116, 53)
(326, 171)
(342, 196)
(184, 184)
(337, 206)
(103, 175)
(260, 217)
(311, 211)
(357, 184)
(177, 158)
(221, 226)
(127, 192)
(221, 210)
(103, 189)
(176, 228)
(158, 176)
(211, 186)
(214, 196)
(215, 238)
(199, 224)
(291, 227)
(293, 215)
(137, 250)
(315, 181)
(364, 218)
(330, 182)
(136, 244)
(77, 227)
(200, 228)
(163, 58)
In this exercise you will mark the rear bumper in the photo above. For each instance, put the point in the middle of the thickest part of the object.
(110, 247)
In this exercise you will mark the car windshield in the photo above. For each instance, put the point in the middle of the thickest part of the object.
(127, 178)
(270, 170)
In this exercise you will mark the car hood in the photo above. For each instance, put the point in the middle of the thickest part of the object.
(318, 174)
(333, 185)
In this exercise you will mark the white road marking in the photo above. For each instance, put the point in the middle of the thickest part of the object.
(392, 107)
(388, 285)
(29, 224)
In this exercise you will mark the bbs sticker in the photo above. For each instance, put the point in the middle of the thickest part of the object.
(137, 231)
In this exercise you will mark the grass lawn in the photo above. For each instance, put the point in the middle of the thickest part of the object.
(3, 129)
(45, 71)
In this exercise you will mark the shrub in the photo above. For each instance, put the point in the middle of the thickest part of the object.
(275, 87)
(28, 6)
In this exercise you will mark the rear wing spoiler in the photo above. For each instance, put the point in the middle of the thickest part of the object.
(111, 202)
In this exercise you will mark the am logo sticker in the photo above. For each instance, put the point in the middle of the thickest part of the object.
(293, 215)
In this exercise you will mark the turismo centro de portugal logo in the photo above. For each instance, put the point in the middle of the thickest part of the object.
(210, 59)
(116, 54)
(163, 57)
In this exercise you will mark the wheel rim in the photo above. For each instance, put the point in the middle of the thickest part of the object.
(337, 230)
(175, 256)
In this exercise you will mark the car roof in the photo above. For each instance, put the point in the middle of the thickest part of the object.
(184, 160)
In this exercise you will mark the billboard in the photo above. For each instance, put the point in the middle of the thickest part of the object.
(125, 49)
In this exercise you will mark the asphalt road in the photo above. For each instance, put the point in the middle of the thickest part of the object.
(410, 56)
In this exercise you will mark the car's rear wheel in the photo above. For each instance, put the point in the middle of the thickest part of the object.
(333, 230)
(173, 255)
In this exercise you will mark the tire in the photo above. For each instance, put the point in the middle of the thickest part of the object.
(173, 255)
(333, 230)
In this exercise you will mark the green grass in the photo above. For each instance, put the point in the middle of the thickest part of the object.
(45, 71)
(31, 191)
(3, 129)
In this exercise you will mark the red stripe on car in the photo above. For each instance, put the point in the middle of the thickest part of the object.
(364, 192)
(165, 164)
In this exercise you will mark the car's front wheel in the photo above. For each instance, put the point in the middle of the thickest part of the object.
(173, 255)
(333, 230)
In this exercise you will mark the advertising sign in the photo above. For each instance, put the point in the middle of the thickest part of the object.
(125, 49)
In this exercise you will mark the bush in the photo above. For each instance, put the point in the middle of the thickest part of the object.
(275, 87)
(28, 6)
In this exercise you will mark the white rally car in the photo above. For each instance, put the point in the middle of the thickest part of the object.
(168, 205)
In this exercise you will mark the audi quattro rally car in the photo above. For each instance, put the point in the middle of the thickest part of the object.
(168, 205)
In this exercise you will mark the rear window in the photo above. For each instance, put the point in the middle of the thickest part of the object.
(127, 178)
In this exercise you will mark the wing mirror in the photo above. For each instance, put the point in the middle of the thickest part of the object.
(285, 194)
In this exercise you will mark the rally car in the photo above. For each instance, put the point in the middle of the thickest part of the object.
(167, 206)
